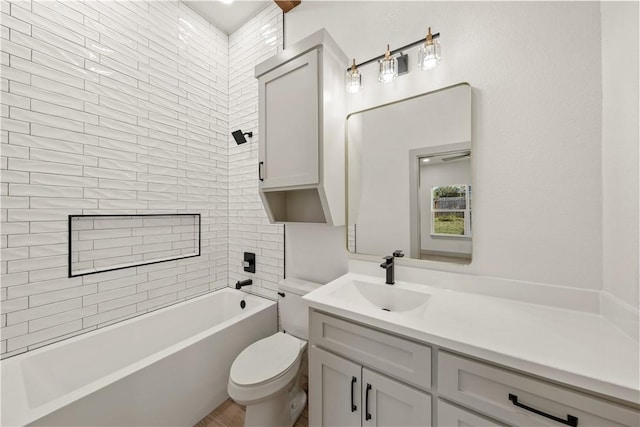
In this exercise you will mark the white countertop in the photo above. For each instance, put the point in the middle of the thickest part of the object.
(579, 349)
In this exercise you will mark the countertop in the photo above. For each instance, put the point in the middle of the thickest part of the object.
(575, 348)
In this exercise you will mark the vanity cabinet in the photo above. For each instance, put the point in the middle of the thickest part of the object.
(348, 394)
(302, 109)
(362, 376)
(356, 370)
(523, 401)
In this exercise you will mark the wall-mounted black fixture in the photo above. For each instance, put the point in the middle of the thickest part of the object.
(240, 284)
(238, 135)
(249, 262)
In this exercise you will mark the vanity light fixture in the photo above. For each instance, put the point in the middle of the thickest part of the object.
(388, 68)
(395, 63)
(354, 79)
(238, 135)
(429, 53)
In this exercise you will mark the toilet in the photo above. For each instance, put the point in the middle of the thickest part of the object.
(265, 377)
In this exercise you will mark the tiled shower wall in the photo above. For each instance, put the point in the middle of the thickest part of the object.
(249, 228)
(112, 108)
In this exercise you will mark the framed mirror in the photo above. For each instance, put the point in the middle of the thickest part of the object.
(409, 180)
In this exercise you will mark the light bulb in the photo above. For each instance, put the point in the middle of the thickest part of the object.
(354, 79)
(429, 53)
(388, 68)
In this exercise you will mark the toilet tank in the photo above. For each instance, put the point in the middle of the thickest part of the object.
(293, 310)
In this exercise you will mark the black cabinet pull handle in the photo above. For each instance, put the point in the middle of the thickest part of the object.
(260, 171)
(367, 415)
(570, 421)
(354, 408)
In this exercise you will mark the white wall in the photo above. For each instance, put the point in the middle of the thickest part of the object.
(107, 107)
(620, 150)
(535, 70)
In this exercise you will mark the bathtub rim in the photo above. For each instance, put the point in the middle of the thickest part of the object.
(22, 414)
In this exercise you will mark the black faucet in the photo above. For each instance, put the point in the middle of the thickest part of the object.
(240, 284)
(388, 265)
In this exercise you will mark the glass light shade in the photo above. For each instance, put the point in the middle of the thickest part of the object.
(429, 55)
(354, 80)
(388, 69)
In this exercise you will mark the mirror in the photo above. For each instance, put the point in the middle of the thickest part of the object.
(409, 177)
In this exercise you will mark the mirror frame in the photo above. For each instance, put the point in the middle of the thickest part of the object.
(414, 170)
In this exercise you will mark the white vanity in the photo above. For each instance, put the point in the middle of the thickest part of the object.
(447, 358)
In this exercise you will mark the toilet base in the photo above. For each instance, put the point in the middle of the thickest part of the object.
(279, 411)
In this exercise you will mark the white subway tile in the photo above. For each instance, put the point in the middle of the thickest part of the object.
(42, 311)
(43, 166)
(121, 302)
(62, 157)
(43, 335)
(158, 302)
(12, 331)
(14, 304)
(15, 24)
(45, 119)
(60, 111)
(61, 318)
(61, 295)
(45, 95)
(36, 264)
(106, 316)
(44, 191)
(63, 180)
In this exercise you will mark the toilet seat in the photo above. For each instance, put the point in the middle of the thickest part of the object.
(266, 360)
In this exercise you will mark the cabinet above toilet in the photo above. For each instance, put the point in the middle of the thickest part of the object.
(302, 109)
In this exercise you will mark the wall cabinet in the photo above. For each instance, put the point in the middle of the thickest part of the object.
(352, 395)
(361, 376)
(302, 108)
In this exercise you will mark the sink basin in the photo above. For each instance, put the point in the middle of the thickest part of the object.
(392, 298)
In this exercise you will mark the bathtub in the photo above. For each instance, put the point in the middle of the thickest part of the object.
(166, 368)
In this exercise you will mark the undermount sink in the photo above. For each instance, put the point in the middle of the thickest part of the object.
(392, 298)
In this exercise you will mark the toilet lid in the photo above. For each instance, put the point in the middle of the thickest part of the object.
(265, 359)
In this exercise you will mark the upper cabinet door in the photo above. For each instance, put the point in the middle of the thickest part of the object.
(288, 111)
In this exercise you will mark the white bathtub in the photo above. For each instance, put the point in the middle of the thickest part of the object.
(166, 368)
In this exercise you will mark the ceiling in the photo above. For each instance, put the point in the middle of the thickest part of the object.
(227, 17)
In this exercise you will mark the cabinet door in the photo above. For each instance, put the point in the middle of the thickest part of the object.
(288, 111)
(390, 403)
(452, 416)
(334, 390)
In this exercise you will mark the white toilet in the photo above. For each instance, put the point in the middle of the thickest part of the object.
(265, 377)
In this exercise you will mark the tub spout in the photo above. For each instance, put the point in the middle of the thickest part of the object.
(240, 284)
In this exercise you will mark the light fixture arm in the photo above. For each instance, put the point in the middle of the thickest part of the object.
(398, 50)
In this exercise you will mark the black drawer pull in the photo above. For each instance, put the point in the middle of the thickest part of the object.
(570, 421)
(354, 408)
(367, 415)
(260, 171)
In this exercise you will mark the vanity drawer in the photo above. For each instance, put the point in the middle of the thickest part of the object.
(452, 416)
(492, 390)
(398, 357)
